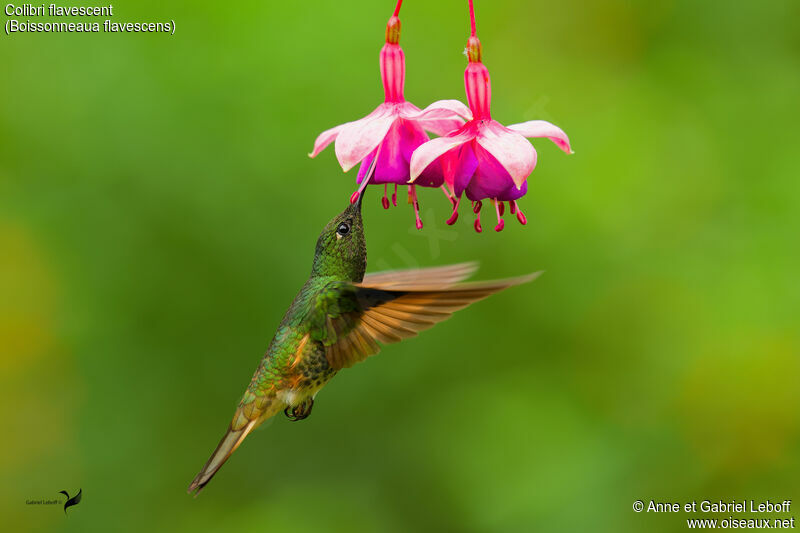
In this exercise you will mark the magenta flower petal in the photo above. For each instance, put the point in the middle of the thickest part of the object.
(459, 165)
(491, 179)
(412, 135)
(391, 167)
(477, 190)
(394, 152)
(512, 193)
(364, 168)
(357, 139)
(431, 150)
(512, 150)
(542, 128)
(432, 176)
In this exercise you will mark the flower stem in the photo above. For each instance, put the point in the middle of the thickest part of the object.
(397, 7)
(472, 18)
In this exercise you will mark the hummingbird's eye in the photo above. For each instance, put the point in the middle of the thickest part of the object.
(343, 229)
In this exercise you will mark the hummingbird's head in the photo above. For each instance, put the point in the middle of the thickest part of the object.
(341, 247)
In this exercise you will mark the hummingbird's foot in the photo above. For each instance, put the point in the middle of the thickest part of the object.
(299, 412)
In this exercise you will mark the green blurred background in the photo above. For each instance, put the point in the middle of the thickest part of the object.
(158, 213)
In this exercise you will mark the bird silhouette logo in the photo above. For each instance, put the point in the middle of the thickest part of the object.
(75, 500)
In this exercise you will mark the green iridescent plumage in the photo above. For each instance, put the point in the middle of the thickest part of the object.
(338, 318)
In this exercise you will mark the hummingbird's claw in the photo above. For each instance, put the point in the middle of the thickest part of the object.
(300, 411)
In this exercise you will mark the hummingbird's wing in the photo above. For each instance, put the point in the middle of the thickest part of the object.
(352, 320)
(417, 278)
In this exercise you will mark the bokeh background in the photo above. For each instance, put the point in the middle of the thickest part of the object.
(158, 212)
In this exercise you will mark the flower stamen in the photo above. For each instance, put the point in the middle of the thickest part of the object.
(385, 199)
(447, 193)
(498, 210)
(452, 220)
(476, 208)
(521, 217)
(412, 198)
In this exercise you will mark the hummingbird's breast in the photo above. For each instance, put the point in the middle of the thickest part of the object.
(295, 366)
(306, 372)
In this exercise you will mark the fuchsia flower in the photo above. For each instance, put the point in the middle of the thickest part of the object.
(384, 140)
(483, 158)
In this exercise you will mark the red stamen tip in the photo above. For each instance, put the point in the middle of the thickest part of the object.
(500, 225)
(478, 227)
(502, 208)
(385, 202)
(512, 206)
(419, 224)
(476, 207)
(521, 218)
(452, 220)
(354, 197)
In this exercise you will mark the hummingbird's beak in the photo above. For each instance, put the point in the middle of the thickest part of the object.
(360, 198)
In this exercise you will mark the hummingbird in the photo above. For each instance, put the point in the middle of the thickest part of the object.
(339, 318)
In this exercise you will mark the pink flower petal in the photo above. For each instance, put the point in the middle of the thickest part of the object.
(441, 126)
(542, 128)
(511, 150)
(357, 139)
(440, 121)
(443, 109)
(325, 138)
(431, 150)
(407, 110)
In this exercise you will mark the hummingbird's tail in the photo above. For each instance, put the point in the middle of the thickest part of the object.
(232, 439)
